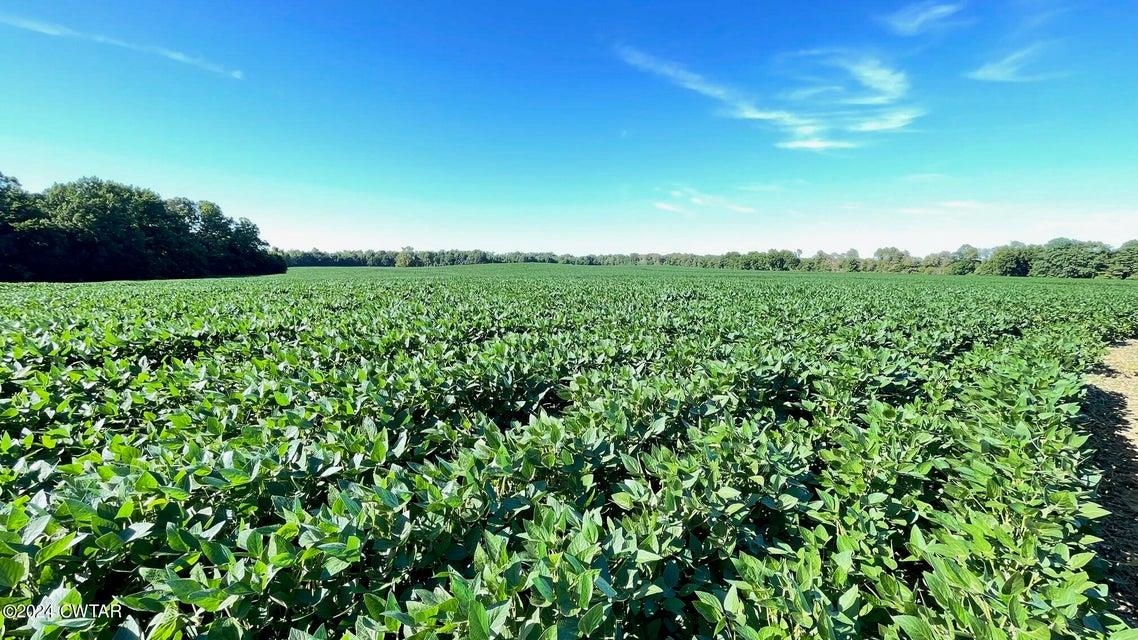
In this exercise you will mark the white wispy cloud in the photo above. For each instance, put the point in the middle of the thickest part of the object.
(685, 197)
(60, 31)
(671, 208)
(710, 201)
(888, 84)
(885, 83)
(893, 120)
(862, 100)
(817, 144)
(806, 93)
(825, 108)
(677, 74)
(1038, 14)
(920, 17)
(792, 122)
(1010, 68)
(736, 104)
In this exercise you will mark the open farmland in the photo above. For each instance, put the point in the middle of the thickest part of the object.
(555, 452)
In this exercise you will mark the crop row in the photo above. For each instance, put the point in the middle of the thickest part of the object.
(547, 454)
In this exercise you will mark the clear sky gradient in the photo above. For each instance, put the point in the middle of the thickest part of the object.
(593, 127)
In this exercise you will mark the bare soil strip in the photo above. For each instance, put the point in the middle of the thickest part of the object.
(1111, 410)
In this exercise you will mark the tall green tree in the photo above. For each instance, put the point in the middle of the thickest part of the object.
(21, 230)
(1066, 258)
(894, 260)
(964, 261)
(407, 258)
(1009, 261)
(94, 229)
(1124, 262)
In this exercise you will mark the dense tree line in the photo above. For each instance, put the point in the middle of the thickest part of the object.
(93, 229)
(1060, 258)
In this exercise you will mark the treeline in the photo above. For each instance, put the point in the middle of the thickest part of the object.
(93, 229)
(1059, 258)
(408, 257)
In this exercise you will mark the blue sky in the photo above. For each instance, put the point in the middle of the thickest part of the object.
(593, 126)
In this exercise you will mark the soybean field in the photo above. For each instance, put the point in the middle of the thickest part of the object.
(551, 452)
